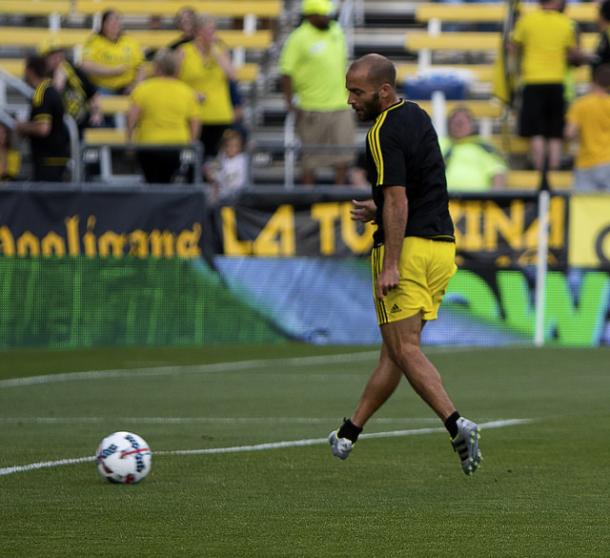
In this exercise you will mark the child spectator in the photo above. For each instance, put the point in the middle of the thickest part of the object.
(228, 175)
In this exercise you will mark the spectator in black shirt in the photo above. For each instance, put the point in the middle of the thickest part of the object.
(49, 138)
(413, 257)
(79, 95)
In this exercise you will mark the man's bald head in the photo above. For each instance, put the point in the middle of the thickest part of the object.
(377, 69)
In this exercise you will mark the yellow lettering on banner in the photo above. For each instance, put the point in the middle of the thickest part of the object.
(138, 242)
(7, 242)
(53, 245)
(278, 237)
(232, 245)
(326, 214)
(356, 242)
(510, 227)
(471, 214)
(557, 222)
(89, 240)
(187, 245)
(72, 235)
(161, 244)
(112, 244)
(602, 245)
(28, 245)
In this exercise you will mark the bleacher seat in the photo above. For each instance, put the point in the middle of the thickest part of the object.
(468, 41)
(27, 37)
(246, 73)
(226, 8)
(493, 12)
(480, 73)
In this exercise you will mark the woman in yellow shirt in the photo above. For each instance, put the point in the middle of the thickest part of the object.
(10, 159)
(207, 68)
(164, 111)
(112, 60)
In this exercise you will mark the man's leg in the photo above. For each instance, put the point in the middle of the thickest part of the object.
(538, 152)
(402, 340)
(555, 152)
(382, 383)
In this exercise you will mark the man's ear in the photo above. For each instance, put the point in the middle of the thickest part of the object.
(386, 91)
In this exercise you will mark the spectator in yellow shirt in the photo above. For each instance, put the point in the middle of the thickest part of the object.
(207, 68)
(545, 39)
(113, 60)
(588, 120)
(164, 111)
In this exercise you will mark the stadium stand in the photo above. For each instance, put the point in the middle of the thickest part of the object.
(408, 32)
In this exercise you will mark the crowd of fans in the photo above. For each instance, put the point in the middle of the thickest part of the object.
(187, 93)
(183, 94)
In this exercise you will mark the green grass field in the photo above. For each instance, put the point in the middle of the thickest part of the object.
(543, 489)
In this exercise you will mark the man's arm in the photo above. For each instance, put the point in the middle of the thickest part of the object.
(395, 211)
(133, 115)
(287, 90)
(37, 128)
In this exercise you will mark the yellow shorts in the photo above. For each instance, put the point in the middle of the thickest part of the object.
(425, 269)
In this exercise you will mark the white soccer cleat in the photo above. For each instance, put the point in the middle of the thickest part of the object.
(340, 447)
(466, 444)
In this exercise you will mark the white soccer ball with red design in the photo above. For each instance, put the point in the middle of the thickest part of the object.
(123, 457)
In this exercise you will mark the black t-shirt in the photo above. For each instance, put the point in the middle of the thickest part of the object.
(47, 105)
(402, 150)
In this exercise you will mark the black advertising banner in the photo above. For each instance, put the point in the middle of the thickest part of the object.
(499, 231)
(492, 231)
(285, 224)
(102, 222)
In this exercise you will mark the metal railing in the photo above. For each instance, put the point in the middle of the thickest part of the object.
(91, 153)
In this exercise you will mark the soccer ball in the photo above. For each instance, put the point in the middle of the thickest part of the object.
(123, 457)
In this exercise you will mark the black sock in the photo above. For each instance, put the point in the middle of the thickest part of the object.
(451, 424)
(349, 430)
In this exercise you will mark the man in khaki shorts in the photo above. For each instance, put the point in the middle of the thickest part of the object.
(413, 256)
(312, 66)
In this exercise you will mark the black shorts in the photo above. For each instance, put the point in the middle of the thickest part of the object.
(542, 111)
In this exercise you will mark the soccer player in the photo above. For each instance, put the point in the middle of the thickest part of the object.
(413, 254)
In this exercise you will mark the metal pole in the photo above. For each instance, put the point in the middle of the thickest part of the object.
(544, 200)
(289, 151)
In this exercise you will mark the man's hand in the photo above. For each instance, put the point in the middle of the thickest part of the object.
(387, 280)
(363, 211)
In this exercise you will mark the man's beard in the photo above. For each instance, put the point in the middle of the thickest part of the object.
(372, 109)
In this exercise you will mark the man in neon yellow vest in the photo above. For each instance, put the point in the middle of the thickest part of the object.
(312, 66)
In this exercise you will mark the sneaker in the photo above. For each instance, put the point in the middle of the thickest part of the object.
(466, 444)
(340, 447)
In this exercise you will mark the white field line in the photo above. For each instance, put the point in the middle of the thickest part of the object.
(273, 364)
(258, 447)
(197, 420)
(236, 366)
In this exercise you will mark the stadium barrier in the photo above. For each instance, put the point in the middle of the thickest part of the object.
(157, 266)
